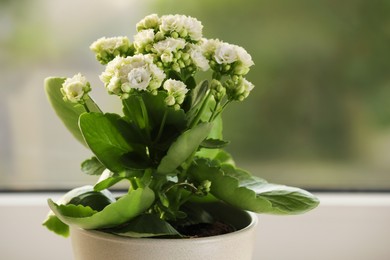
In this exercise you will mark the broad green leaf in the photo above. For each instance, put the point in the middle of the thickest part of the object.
(92, 166)
(248, 192)
(104, 138)
(53, 223)
(146, 225)
(185, 145)
(68, 112)
(124, 209)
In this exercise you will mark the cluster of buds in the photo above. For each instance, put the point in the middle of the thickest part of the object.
(123, 75)
(75, 89)
(106, 49)
(165, 53)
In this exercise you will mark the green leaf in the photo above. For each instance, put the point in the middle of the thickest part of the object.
(107, 183)
(185, 145)
(104, 138)
(124, 209)
(53, 223)
(68, 112)
(213, 143)
(108, 179)
(92, 166)
(94, 199)
(146, 225)
(248, 192)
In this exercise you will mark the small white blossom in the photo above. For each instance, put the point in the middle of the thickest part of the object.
(183, 26)
(244, 61)
(75, 88)
(208, 46)
(149, 22)
(169, 45)
(243, 56)
(143, 38)
(198, 58)
(139, 78)
(193, 27)
(240, 90)
(171, 23)
(109, 44)
(176, 90)
(225, 53)
(107, 48)
(157, 75)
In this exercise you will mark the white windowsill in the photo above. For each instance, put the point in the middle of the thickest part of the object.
(345, 226)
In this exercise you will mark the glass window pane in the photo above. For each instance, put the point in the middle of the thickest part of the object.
(317, 118)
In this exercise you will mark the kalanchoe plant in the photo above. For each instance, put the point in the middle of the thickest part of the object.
(167, 143)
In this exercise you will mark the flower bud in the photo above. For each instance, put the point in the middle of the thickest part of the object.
(73, 89)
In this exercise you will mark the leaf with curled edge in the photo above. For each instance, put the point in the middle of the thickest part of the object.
(124, 209)
(248, 192)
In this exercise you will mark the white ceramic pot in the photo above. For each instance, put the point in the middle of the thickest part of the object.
(238, 245)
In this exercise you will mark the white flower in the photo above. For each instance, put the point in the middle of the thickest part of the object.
(107, 48)
(149, 22)
(248, 86)
(172, 23)
(243, 56)
(115, 74)
(157, 75)
(244, 61)
(135, 72)
(169, 45)
(75, 88)
(143, 38)
(242, 89)
(183, 26)
(114, 85)
(176, 90)
(225, 53)
(193, 27)
(109, 44)
(139, 78)
(208, 46)
(198, 58)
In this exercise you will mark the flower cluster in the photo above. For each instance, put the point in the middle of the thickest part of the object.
(165, 55)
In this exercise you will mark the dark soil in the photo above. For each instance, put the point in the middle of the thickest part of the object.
(205, 229)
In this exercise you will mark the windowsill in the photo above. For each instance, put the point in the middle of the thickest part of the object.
(344, 226)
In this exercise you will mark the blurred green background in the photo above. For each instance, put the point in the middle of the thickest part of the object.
(317, 118)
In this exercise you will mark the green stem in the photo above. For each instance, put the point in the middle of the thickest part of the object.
(161, 126)
(215, 115)
(201, 110)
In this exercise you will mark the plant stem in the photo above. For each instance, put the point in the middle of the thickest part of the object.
(215, 115)
(161, 126)
(201, 111)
